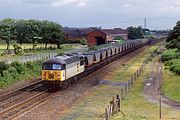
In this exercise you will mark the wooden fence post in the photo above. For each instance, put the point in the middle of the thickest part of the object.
(135, 76)
(106, 114)
(118, 103)
(109, 110)
(129, 84)
(126, 90)
(122, 94)
(132, 80)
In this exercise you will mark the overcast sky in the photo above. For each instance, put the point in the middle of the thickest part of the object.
(160, 14)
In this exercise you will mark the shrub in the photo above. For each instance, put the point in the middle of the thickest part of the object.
(177, 69)
(3, 67)
(19, 67)
(60, 53)
(83, 41)
(30, 65)
(17, 49)
(12, 70)
(170, 54)
(174, 65)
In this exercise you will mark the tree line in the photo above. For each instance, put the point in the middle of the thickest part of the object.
(171, 57)
(173, 40)
(31, 31)
(135, 32)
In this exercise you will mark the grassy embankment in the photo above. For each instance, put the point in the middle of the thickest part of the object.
(171, 85)
(96, 100)
(16, 72)
(136, 107)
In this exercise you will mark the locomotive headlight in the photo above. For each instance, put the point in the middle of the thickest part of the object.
(51, 72)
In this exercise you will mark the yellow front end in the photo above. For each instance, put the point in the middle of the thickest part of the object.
(53, 75)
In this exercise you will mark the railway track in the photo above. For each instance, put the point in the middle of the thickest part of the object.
(12, 102)
(25, 106)
(25, 99)
(21, 90)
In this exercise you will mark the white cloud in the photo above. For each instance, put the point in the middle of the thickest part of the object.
(67, 2)
(126, 5)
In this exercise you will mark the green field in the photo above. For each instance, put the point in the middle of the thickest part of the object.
(64, 47)
(24, 46)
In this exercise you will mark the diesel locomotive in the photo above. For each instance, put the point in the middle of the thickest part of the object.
(63, 70)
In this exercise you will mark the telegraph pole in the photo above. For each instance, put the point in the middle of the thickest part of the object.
(145, 23)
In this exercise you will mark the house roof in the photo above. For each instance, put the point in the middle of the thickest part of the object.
(115, 31)
(80, 32)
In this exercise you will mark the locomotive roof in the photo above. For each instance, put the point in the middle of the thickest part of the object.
(63, 59)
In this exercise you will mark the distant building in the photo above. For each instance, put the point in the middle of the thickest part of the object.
(116, 32)
(93, 36)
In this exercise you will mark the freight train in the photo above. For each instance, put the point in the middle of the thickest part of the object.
(63, 70)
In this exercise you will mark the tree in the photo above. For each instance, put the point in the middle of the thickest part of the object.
(135, 32)
(57, 34)
(31, 31)
(21, 31)
(34, 31)
(46, 32)
(174, 38)
(7, 30)
(175, 33)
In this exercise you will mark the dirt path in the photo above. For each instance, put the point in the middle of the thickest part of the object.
(153, 84)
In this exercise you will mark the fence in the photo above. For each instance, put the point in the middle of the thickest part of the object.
(115, 104)
(42, 56)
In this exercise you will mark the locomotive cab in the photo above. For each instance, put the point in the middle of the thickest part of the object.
(53, 71)
(62, 68)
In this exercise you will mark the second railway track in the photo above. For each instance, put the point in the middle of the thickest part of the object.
(12, 103)
(18, 102)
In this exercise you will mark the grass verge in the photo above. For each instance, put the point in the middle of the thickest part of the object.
(136, 106)
(18, 72)
(171, 85)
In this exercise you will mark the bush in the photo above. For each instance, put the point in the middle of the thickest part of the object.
(30, 65)
(174, 65)
(12, 73)
(18, 66)
(83, 41)
(3, 67)
(17, 49)
(170, 54)
(12, 70)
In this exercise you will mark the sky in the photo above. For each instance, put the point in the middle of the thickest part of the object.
(160, 14)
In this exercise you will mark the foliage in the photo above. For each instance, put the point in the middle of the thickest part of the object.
(118, 38)
(17, 49)
(18, 66)
(175, 33)
(31, 31)
(83, 41)
(7, 30)
(172, 44)
(30, 65)
(174, 65)
(170, 54)
(135, 32)
(14, 74)
(3, 67)
(174, 38)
